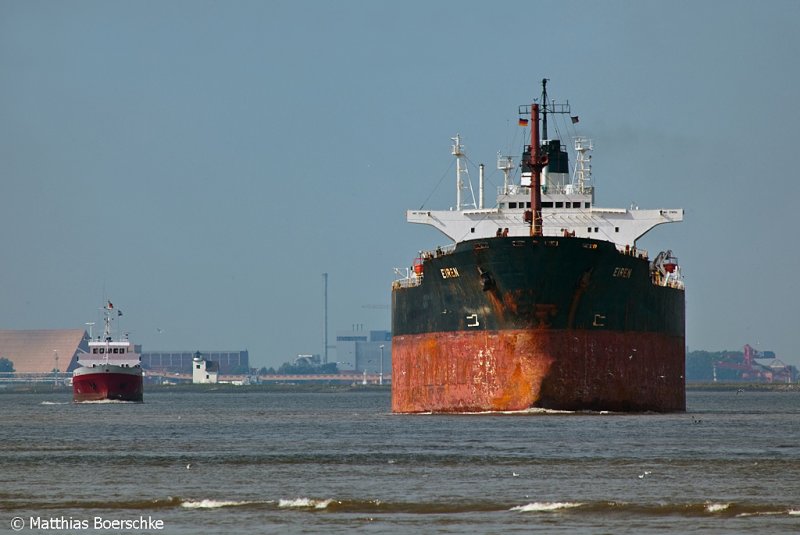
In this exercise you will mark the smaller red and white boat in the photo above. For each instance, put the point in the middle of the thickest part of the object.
(111, 370)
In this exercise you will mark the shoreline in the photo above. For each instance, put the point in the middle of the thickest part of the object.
(223, 388)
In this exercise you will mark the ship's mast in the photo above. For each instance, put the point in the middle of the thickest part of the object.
(461, 172)
(537, 162)
(107, 321)
(544, 108)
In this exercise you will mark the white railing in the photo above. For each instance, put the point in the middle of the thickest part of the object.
(408, 278)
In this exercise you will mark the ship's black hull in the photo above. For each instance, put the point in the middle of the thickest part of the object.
(556, 322)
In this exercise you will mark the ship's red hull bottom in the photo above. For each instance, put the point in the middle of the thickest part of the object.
(514, 370)
(107, 386)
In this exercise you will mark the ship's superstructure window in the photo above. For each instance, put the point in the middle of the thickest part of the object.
(512, 205)
(587, 205)
(547, 204)
(559, 204)
(616, 229)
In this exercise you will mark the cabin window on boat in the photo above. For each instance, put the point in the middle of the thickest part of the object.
(548, 204)
(512, 205)
(616, 229)
(588, 229)
(587, 205)
(559, 204)
(472, 230)
(102, 350)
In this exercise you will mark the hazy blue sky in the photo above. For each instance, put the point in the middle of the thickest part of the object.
(203, 163)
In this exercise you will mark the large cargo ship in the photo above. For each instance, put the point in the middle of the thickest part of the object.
(542, 301)
(111, 370)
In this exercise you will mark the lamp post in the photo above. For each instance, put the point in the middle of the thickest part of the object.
(380, 377)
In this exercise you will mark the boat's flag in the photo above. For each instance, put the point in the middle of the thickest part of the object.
(523, 122)
(574, 119)
(110, 305)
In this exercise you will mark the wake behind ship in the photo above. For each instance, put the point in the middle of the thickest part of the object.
(111, 370)
(545, 300)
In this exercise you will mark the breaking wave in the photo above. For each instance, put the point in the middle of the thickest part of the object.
(540, 507)
(310, 505)
(307, 503)
(216, 504)
(716, 507)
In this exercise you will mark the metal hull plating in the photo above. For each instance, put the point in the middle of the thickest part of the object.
(554, 322)
(107, 382)
(519, 369)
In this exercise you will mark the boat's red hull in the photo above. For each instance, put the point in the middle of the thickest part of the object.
(518, 369)
(107, 383)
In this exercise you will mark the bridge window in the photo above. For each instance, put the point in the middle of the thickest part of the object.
(548, 204)
(512, 205)
(559, 204)
(587, 205)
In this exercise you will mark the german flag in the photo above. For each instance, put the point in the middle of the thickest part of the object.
(523, 122)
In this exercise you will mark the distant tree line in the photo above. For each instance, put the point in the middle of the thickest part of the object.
(6, 366)
(300, 367)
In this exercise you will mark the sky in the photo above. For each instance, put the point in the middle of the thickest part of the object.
(201, 164)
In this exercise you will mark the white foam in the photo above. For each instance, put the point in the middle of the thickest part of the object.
(716, 507)
(539, 507)
(212, 504)
(794, 512)
(305, 502)
(55, 403)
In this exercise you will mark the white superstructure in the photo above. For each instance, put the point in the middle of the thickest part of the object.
(105, 350)
(567, 209)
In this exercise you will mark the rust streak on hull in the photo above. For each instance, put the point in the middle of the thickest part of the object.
(518, 369)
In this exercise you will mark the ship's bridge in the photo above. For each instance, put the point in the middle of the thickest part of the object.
(568, 207)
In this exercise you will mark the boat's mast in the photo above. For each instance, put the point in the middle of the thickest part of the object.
(537, 162)
(107, 322)
(544, 108)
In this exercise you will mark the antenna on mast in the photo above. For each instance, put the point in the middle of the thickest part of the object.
(505, 164)
(461, 171)
(550, 107)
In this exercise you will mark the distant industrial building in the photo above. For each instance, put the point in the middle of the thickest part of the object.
(360, 350)
(228, 362)
(43, 350)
